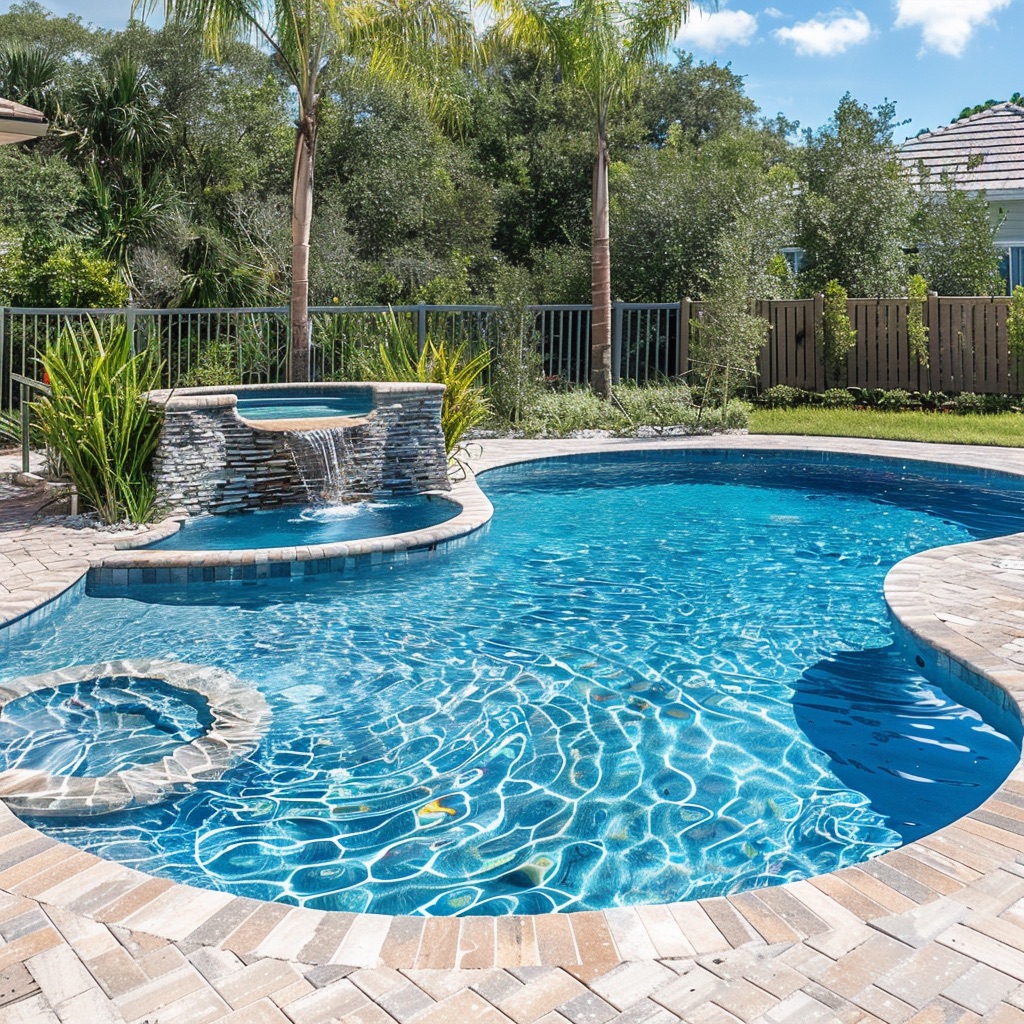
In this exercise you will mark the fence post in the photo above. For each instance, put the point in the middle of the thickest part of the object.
(3, 358)
(817, 336)
(421, 327)
(616, 341)
(931, 321)
(129, 321)
(683, 339)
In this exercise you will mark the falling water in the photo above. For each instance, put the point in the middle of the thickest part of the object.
(338, 464)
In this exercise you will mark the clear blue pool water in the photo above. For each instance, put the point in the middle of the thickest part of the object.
(296, 404)
(654, 677)
(320, 524)
(99, 727)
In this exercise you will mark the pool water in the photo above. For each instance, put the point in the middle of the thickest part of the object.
(98, 727)
(320, 524)
(655, 677)
(296, 404)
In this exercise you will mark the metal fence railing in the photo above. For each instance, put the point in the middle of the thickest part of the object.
(254, 343)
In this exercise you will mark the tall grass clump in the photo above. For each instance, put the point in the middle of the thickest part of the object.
(464, 404)
(98, 421)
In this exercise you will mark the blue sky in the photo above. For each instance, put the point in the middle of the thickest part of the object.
(933, 57)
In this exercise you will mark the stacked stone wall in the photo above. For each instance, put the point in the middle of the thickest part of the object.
(209, 460)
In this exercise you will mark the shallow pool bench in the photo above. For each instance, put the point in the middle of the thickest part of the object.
(211, 460)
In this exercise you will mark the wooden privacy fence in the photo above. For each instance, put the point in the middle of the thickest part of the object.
(967, 346)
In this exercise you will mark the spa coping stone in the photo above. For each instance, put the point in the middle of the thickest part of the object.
(931, 932)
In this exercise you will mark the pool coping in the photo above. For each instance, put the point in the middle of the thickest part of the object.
(965, 602)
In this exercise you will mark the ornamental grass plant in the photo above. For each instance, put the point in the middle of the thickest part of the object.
(97, 422)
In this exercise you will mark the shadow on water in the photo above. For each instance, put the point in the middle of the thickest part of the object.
(921, 759)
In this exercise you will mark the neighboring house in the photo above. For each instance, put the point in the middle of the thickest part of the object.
(983, 152)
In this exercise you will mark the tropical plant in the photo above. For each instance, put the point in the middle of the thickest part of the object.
(837, 337)
(602, 49)
(464, 404)
(917, 333)
(97, 419)
(395, 38)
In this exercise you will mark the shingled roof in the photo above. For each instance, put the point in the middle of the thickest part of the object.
(997, 134)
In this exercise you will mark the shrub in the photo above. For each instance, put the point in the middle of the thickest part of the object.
(215, 366)
(98, 420)
(837, 337)
(666, 405)
(1015, 322)
(782, 396)
(560, 413)
(917, 333)
(934, 399)
(837, 398)
(894, 400)
(969, 402)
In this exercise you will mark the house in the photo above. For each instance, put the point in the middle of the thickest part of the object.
(984, 152)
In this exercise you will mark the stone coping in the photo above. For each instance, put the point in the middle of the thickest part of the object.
(127, 566)
(965, 602)
(240, 716)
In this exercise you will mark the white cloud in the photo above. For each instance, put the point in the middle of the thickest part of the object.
(946, 25)
(717, 30)
(773, 12)
(827, 34)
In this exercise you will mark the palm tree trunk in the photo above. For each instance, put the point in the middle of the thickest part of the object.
(600, 275)
(302, 215)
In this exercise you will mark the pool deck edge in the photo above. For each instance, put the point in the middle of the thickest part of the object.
(932, 932)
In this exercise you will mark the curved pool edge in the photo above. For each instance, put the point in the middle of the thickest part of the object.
(964, 602)
(132, 565)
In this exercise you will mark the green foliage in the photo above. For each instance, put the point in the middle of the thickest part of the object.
(837, 398)
(956, 238)
(837, 337)
(515, 378)
(98, 420)
(64, 276)
(968, 402)
(660, 406)
(1004, 429)
(917, 333)
(464, 404)
(894, 400)
(1015, 323)
(782, 396)
(856, 203)
(217, 365)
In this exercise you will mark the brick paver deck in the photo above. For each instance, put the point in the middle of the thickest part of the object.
(932, 933)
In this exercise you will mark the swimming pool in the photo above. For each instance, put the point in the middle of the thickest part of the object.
(318, 524)
(622, 692)
(296, 403)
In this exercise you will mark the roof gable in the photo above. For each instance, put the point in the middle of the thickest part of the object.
(996, 134)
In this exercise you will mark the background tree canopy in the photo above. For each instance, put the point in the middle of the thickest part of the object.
(166, 179)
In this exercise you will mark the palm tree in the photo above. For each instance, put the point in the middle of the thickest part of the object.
(395, 38)
(601, 47)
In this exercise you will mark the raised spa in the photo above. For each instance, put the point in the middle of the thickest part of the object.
(657, 676)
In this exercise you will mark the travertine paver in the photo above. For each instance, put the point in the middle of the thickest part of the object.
(931, 934)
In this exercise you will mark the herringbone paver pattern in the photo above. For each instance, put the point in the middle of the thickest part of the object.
(929, 934)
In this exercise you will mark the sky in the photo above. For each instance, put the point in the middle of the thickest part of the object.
(798, 57)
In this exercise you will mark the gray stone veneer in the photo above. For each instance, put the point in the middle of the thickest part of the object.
(211, 460)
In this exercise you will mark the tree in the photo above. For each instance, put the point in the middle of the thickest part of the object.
(602, 49)
(856, 203)
(956, 235)
(395, 37)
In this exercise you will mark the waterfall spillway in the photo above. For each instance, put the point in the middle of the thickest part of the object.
(339, 464)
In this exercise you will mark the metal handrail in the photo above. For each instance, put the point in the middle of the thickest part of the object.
(25, 385)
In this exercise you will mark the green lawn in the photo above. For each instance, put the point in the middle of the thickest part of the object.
(1002, 429)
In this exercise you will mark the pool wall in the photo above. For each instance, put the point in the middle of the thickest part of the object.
(211, 460)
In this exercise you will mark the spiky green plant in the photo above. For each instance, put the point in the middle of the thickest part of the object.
(98, 420)
(464, 404)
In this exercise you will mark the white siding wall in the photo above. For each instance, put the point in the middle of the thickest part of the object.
(1011, 231)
